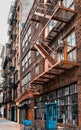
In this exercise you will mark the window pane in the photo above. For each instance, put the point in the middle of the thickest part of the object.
(68, 43)
(67, 3)
(36, 25)
(52, 24)
(60, 56)
(70, 56)
(73, 88)
(73, 39)
(74, 55)
(66, 91)
(36, 70)
(59, 93)
(36, 53)
(71, 42)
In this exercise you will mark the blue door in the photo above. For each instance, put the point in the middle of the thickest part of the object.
(51, 116)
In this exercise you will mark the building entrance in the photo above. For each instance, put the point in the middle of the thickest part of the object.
(51, 116)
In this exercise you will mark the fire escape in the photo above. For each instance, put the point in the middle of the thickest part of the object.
(57, 16)
(12, 19)
(12, 32)
(8, 84)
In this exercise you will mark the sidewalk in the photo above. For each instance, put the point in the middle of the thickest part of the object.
(8, 125)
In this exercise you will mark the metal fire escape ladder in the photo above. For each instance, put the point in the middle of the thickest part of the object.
(49, 19)
(53, 16)
(40, 48)
(44, 53)
(62, 15)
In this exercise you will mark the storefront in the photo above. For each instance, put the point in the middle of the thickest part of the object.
(63, 102)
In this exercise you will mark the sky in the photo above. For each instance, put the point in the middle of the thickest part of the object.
(4, 11)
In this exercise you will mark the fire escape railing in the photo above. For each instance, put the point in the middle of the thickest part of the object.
(64, 59)
(56, 18)
(55, 14)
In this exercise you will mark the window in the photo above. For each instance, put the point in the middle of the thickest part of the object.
(25, 82)
(29, 58)
(60, 55)
(61, 101)
(36, 53)
(36, 70)
(16, 76)
(59, 93)
(28, 75)
(40, 113)
(36, 25)
(15, 93)
(67, 100)
(15, 62)
(52, 95)
(50, 26)
(73, 88)
(26, 61)
(23, 44)
(71, 43)
(66, 91)
(68, 3)
(26, 39)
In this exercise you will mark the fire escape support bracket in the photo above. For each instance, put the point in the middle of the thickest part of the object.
(44, 53)
(55, 17)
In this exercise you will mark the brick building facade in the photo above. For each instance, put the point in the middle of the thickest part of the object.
(50, 64)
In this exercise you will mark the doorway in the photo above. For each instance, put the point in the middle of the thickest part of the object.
(51, 116)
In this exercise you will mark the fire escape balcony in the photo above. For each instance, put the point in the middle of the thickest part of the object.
(12, 18)
(12, 52)
(5, 62)
(56, 18)
(64, 60)
(12, 36)
(12, 21)
(8, 83)
(4, 73)
(9, 32)
(11, 69)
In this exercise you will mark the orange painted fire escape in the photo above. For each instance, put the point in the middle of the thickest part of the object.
(59, 16)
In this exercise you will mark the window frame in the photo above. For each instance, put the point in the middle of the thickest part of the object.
(71, 47)
(25, 82)
(27, 39)
(26, 61)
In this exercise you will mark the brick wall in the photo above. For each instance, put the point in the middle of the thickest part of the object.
(78, 39)
(69, 76)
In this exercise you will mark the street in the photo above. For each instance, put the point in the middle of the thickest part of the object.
(8, 125)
